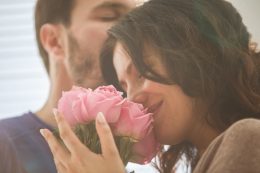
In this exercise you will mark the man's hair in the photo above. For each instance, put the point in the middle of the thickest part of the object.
(54, 12)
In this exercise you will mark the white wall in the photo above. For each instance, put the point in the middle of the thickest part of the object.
(250, 10)
(23, 82)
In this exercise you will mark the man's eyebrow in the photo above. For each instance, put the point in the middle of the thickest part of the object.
(111, 5)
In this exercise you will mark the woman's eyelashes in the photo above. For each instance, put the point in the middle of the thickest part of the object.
(136, 80)
(123, 85)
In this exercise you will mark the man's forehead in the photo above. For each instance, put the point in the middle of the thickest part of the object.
(123, 4)
(91, 5)
(107, 3)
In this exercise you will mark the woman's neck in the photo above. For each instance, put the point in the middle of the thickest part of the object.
(202, 136)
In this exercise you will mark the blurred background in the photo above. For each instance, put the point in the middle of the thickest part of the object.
(23, 81)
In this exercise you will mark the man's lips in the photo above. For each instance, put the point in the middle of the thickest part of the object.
(154, 108)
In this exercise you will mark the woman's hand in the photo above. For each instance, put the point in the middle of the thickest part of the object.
(77, 158)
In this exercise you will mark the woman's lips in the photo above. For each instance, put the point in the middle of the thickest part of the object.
(155, 108)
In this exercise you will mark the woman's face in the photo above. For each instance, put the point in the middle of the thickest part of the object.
(173, 110)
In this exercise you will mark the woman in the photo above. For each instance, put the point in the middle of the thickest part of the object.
(191, 64)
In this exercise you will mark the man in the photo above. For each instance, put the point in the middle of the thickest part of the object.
(70, 34)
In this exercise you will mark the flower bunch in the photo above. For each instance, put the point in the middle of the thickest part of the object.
(130, 123)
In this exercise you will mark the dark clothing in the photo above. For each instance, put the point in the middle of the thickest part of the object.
(27, 144)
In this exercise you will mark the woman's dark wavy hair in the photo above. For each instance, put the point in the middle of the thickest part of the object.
(204, 47)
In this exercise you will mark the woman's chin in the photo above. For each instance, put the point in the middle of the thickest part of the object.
(167, 140)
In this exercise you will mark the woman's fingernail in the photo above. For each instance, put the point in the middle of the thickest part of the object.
(42, 131)
(56, 114)
(100, 118)
(55, 111)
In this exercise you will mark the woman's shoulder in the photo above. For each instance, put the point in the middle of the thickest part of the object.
(241, 132)
(235, 150)
(245, 128)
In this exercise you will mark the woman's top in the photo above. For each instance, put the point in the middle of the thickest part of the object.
(237, 150)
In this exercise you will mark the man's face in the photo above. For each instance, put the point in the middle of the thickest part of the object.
(84, 37)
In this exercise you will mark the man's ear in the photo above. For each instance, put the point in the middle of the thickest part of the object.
(51, 39)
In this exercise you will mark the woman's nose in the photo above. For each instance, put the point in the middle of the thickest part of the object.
(136, 96)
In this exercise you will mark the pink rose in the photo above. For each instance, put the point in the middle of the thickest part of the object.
(66, 103)
(126, 118)
(136, 123)
(145, 149)
(133, 121)
(81, 105)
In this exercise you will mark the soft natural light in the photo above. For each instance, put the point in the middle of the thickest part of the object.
(23, 81)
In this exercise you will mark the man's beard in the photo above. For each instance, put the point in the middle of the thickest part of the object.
(83, 68)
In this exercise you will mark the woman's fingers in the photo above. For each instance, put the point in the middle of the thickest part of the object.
(60, 167)
(59, 153)
(67, 135)
(79, 158)
(108, 145)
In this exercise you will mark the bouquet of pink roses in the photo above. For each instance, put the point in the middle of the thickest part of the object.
(129, 121)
